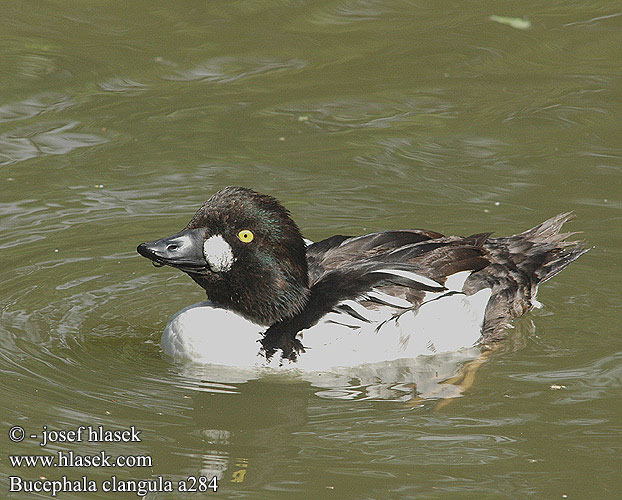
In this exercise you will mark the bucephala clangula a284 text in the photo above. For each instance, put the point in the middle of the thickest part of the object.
(274, 296)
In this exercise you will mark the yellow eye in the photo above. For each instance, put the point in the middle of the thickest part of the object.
(245, 236)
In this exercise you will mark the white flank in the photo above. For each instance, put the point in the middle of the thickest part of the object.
(448, 323)
(455, 282)
(208, 334)
(218, 253)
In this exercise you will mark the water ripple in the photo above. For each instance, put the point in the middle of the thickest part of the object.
(382, 112)
(122, 85)
(51, 138)
(232, 69)
(36, 105)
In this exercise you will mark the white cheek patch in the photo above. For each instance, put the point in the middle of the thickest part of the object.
(218, 253)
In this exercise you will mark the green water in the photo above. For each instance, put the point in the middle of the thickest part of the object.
(118, 119)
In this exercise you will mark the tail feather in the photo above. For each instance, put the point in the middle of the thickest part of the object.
(571, 251)
(519, 264)
(543, 251)
(548, 230)
(554, 252)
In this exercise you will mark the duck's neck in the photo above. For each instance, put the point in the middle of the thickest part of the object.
(275, 298)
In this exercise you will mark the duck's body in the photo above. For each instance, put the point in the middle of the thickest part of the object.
(345, 301)
(328, 344)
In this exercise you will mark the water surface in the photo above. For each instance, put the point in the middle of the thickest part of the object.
(117, 121)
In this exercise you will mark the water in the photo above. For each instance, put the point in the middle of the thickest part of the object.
(117, 121)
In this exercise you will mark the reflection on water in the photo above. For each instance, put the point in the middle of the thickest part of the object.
(403, 380)
(360, 115)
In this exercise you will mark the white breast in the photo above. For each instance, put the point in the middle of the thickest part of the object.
(207, 333)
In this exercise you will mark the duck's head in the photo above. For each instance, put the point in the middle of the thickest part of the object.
(247, 253)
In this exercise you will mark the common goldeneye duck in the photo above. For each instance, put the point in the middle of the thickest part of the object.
(345, 300)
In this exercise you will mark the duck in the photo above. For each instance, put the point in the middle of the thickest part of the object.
(277, 299)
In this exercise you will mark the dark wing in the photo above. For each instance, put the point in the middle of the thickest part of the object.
(431, 254)
(339, 251)
(354, 276)
(409, 272)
